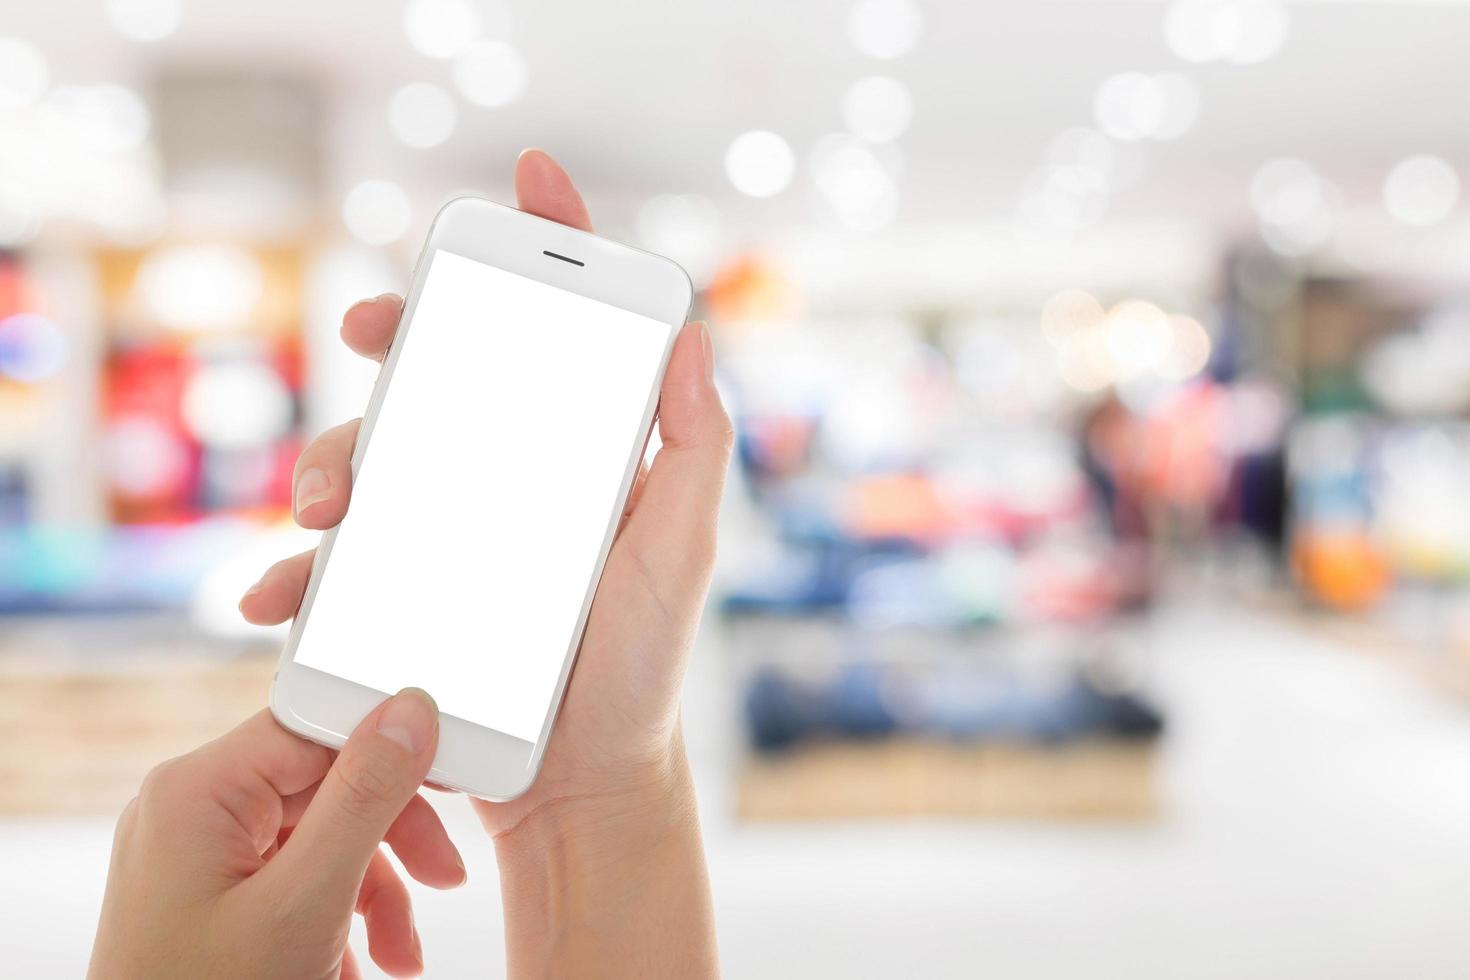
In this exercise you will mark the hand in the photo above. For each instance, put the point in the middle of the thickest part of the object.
(248, 856)
(615, 781)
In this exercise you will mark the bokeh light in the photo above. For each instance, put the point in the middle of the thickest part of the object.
(1137, 336)
(877, 108)
(32, 348)
(885, 29)
(142, 457)
(1421, 190)
(1084, 362)
(422, 115)
(1238, 31)
(760, 163)
(854, 182)
(441, 28)
(106, 117)
(1068, 313)
(236, 405)
(201, 287)
(145, 20)
(491, 73)
(1297, 207)
(1134, 106)
(1061, 200)
(1189, 349)
(376, 212)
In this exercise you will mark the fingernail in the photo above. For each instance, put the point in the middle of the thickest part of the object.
(418, 944)
(464, 874)
(313, 487)
(382, 296)
(409, 719)
(709, 351)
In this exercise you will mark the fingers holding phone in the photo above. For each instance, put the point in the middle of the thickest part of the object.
(250, 854)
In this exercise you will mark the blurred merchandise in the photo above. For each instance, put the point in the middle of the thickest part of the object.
(1095, 556)
(939, 565)
(195, 355)
(1380, 456)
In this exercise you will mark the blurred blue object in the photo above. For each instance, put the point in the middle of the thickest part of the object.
(967, 704)
(812, 574)
(111, 569)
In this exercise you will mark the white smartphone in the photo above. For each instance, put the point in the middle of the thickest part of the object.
(495, 459)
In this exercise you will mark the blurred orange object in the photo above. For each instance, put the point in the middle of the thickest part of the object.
(1343, 569)
(750, 287)
(901, 505)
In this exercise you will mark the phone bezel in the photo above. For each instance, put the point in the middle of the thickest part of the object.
(477, 760)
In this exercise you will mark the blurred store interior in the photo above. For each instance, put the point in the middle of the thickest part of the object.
(1094, 595)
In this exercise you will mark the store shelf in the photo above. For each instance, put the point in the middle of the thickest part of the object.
(912, 778)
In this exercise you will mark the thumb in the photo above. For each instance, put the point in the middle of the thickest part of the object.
(377, 772)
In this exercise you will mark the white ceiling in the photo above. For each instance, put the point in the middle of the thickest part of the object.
(642, 97)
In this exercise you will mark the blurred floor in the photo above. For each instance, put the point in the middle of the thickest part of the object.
(1315, 806)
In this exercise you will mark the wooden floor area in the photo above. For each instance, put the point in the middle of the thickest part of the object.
(79, 742)
(912, 778)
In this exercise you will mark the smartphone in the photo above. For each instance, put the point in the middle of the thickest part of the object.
(495, 458)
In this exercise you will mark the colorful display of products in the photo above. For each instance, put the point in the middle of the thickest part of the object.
(195, 355)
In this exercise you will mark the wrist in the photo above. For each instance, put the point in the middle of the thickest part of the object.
(597, 884)
(624, 814)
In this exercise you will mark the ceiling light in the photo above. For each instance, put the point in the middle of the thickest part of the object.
(1421, 190)
(490, 73)
(422, 115)
(1240, 31)
(1134, 106)
(855, 183)
(885, 28)
(440, 28)
(1297, 208)
(1130, 106)
(1262, 31)
(760, 163)
(877, 108)
(145, 20)
(376, 212)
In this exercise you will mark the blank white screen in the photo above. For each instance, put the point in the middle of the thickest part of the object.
(486, 490)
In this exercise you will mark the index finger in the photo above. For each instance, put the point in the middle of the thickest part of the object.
(544, 189)
(368, 327)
